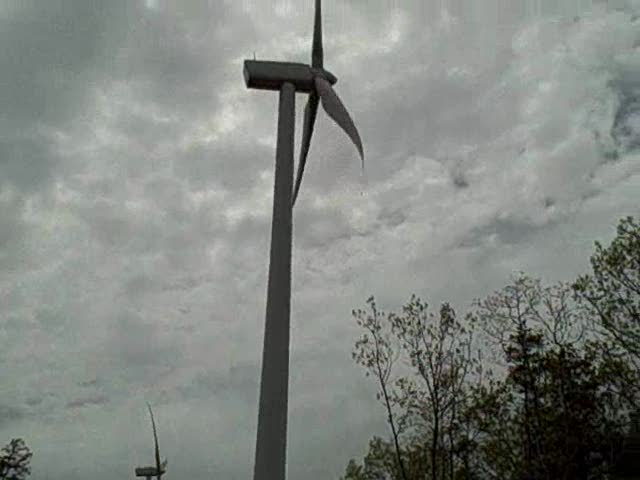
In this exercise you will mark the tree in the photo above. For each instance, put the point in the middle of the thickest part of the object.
(423, 408)
(14, 460)
(613, 290)
(375, 352)
(439, 350)
(497, 445)
(380, 463)
(564, 395)
(508, 317)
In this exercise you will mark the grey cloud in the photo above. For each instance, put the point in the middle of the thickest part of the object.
(49, 56)
(97, 399)
(14, 232)
(459, 180)
(227, 164)
(10, 414)
(626, 124)
(166, 68)
(137, 342)
(33, 401)
(89, 383)
(506, 231)
(238, 384)
(391, 218)
(27, 164)
(320, 227)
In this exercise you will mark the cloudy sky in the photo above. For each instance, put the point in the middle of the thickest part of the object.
(136, 181)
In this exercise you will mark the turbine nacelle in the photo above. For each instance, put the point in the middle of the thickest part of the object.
(266, 75)
(151, 471)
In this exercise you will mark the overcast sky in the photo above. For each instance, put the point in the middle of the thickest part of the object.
(136, 181)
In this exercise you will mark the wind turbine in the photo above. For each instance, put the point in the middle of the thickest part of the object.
(159, 469)
(287, 78)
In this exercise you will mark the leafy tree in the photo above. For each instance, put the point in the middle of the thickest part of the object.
(564, 396)
(353, 472)
(439, 351)
(376, 353)
(508, 317)
(380, 463)
(613, 290)
(14, 460)
(423, 408)
(497, 446)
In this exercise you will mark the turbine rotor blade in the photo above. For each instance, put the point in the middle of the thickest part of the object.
(336, 110)
(155, 440)
(310, 111)
(316, 49)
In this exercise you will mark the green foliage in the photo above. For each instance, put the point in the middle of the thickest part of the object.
(558, 409)
(14, 460)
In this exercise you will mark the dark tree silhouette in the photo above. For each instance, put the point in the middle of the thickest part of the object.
(14, 460)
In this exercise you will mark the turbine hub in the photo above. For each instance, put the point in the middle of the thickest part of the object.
(326, 74)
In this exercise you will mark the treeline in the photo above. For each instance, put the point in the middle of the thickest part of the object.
(535, 382)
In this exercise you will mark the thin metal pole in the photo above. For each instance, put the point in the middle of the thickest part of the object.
(271, 443)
